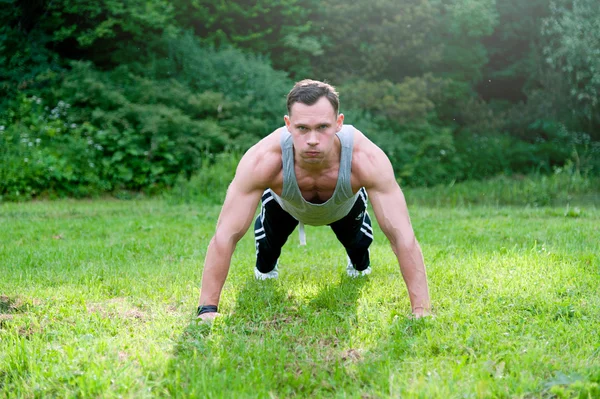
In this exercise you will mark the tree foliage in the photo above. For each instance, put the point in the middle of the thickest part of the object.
(573, 48)
(280, 29)
(450, 90)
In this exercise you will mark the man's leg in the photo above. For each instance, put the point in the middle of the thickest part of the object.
(271, 230)
(355, 233)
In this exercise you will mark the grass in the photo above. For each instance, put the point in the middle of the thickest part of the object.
(97, 298)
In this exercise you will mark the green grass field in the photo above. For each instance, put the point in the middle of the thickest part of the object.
(97, 299)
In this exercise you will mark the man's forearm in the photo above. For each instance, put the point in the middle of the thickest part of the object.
(216, 268)
(413, 271)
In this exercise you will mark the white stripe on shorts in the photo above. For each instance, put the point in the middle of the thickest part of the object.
(362, 195)
(367, 233)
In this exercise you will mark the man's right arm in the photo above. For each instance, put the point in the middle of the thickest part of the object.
(237, 214)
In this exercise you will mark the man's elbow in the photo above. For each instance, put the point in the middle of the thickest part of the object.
(404, 244)
(224, 242)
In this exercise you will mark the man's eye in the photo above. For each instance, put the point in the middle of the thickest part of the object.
(302, 128)
(323, 127)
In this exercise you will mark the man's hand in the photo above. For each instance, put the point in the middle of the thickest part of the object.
(420, 312)
(207, 317)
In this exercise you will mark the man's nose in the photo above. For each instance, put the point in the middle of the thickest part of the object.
(313, 138)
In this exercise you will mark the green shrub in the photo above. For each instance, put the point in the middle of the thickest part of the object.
(151, 131)
(43, 151)
(400, 118)
(254, 94)
(422, 155)
(148, 124)
(155, 126)
(548, 146)
(209, 184)
(485, 155)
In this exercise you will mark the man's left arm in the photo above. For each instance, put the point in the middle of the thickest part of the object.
(391, 212)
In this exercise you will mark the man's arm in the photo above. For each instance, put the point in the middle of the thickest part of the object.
(391, 212)
(237, 213)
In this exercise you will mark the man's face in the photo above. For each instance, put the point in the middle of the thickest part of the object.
(313, 129)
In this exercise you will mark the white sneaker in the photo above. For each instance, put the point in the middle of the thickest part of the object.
(265, 276)
(352, 272)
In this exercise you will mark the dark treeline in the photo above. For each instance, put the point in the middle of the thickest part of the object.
(98, 96)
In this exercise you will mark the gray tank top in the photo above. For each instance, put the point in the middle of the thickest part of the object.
(341, 201)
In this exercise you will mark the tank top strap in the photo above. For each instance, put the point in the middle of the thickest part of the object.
(287, 155)
(346, 136)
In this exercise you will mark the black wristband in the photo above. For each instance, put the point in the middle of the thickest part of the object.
(206, 309)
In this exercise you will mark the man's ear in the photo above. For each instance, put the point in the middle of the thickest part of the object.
(339, 122)
(286, 119)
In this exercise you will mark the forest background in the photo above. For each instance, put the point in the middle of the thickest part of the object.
(107, 96)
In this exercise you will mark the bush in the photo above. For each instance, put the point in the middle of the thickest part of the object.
(401, 119)
(154, 127)
(43, 151)
(151, 131)
(422, 155)
(254, 93)
(209, 184)
(139, 126)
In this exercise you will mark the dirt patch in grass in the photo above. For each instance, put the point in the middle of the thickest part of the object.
(279, 321)
(179, 308)
(16, 304)
(328, 342)
(351, 355)
(4, 319)
(28, 331)
(24, 327)
(117, 308)
(5, 304)
(172, 308)
(12, 310)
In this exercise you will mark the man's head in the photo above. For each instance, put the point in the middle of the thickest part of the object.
(309, 91)
(313, 120)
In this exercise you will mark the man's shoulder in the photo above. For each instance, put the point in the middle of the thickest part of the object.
(268, 148)
(368, 160)
(365, 152)
(262, 162)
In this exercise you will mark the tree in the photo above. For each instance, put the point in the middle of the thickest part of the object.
(377, 40)
(280, 29)
(573, 48)
(513, 50)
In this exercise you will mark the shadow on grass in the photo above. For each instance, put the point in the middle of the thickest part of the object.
(272, 343)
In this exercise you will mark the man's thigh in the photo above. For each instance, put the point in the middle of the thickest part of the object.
(355, 228)
(274, 225)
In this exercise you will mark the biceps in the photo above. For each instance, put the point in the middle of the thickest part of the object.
(392, 216)
(237, 213)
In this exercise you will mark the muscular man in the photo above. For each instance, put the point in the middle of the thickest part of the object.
(315, 170)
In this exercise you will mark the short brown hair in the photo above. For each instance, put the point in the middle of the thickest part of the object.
(309, 91)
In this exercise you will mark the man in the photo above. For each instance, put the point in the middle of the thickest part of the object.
(316, 171)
